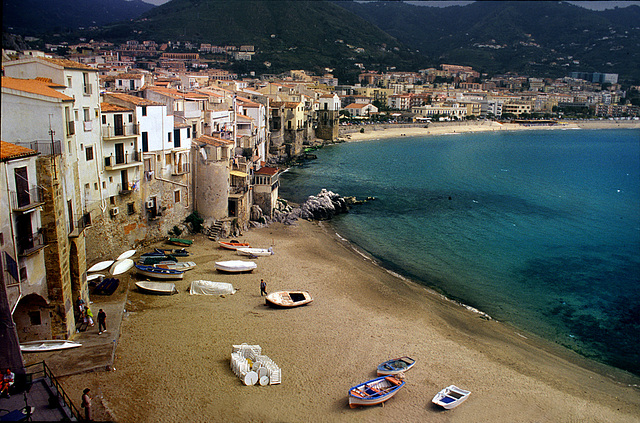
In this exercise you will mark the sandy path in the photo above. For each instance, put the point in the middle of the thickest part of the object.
(173, 356)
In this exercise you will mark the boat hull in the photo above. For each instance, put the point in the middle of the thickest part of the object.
(450, 397)
(157, 288)
(180, 242)
(182, 266)
(233, 245)
(254, 252)
(48, 345)
(395, 366)
(159, 273)
(98, 267)
(121, 266)
(288, 299)
(375, 391)
(235, 266)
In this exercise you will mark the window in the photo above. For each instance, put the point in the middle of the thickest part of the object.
(176, 196)
(104, 119)
(167, 159)
(145, 141)
(89, 153)
(131, 209)
(130, 118)
(34, 317)
(86, 114)
(169, 136)
(68, 82)
(188, 132)
(144, 110)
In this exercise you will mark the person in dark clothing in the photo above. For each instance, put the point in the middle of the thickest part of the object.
(102, 322)
(263, 287)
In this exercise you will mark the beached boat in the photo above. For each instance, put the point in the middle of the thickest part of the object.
(180, 242)
(157, 288)
(107, 287)
(127, 254)
(395, 366)
(375, 391)
(235, 266)
(48, 345)
(177, 252)
(288, 298)
(94, 279)
(158, 272)
(233, 245)
(151, 260)
(121, 266)
(254, 252)
(98, 267)
(211, 288)
(450, 397)
(180, 265)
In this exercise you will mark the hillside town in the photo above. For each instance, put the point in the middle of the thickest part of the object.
(113, 146)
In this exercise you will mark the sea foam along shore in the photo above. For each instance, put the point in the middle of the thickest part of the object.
(446, 128)
(173, 354)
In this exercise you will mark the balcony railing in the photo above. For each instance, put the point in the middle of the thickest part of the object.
(121, 161)
(124, 189)
(44, 147)
(128, 130)
(80, 224)
(181, 169)
(30, 243)
(27, 200)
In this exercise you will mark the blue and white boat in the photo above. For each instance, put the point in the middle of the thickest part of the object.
(450, 397)
(158, 272)
(375, 391)
(395, 366)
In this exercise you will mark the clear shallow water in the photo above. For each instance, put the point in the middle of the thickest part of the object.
(540, 229)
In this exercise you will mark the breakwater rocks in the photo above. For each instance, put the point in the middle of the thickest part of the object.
(323, 206)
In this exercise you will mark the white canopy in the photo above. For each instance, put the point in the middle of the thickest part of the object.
(211, 288)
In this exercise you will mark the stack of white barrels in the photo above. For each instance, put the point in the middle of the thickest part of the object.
(248, 363)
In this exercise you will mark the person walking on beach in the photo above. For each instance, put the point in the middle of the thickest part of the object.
(102, 322)
(263, 287)
(86, 404)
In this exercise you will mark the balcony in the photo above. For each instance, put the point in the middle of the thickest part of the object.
(117, 132)
(22, 202)
(79, 225)
(44, 147)
(124, 189)
(181, 169)
(123, 161)
(30, 244)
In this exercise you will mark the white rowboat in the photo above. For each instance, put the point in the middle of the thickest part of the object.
(103, 265)
(288, 298)
(235, 266)
(127, 254)
(48, 345)
(183, 266)
(450, 397)
(254, 252)
(157, 288)
(121, 266)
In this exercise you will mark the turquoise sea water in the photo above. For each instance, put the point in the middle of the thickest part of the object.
(540, 229)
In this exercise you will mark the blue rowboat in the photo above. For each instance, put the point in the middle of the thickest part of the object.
(158, 272)
(395, 366)
(375, 391)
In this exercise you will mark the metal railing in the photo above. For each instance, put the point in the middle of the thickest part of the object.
(133, 157)
(46, 374)
(126, 130)
(44, 147)
(27, 199)
(30, 243)
(182, 169)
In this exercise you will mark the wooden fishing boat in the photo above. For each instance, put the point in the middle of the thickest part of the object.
(181, 265)
(375, 391)
(107, 286)
(98, 267)
(121, 266)
(180, 242)
(395, 366)
(235, 266)
(450, 397)
(127, 254)
(288, 299)
(177, 252)
(157, 288)
(158, 272)
(233, 245)
(254, 252)
(48, 345)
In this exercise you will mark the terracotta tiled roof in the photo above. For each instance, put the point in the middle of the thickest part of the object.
(68, 64)
(138, 101)
(267, 171)
(215, 141)
(10, 151)
(34, 86)
(108, 107)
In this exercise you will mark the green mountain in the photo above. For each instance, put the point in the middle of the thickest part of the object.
(310, 35)
(542, 38)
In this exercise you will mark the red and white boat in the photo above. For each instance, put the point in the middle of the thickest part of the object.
(233, 245)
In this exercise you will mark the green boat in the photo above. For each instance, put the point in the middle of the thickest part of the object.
(180, 242)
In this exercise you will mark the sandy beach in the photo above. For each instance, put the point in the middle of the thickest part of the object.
(173, 355)
(384, 131)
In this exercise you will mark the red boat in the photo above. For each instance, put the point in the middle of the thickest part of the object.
(233, 245)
